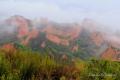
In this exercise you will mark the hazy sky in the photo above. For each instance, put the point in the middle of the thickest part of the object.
(104, 11)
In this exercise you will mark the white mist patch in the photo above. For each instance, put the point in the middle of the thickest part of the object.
(4, 28)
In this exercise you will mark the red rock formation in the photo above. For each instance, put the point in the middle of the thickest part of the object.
(21, 23)
(23, 27)
(97, 38)
(57, 40)
(75, 31)
(62, 35)
(53, 38)
(111, 54)
(32, 34)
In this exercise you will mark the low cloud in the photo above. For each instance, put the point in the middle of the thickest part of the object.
(105, 12)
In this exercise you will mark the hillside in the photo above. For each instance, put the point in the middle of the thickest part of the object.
(61, 40)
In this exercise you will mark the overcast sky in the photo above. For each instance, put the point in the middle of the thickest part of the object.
(104, 11)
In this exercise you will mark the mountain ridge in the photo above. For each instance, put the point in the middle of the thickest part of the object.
(70, 40)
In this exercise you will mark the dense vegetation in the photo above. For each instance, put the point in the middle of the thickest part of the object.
(28, 65)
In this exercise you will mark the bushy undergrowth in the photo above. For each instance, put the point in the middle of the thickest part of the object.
(27, 65)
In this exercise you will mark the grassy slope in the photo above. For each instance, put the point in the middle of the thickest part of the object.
(28, 65)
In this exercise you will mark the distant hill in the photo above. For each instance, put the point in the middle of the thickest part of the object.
(61, 40)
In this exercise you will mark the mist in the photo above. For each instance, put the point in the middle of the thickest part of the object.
(104, 12)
